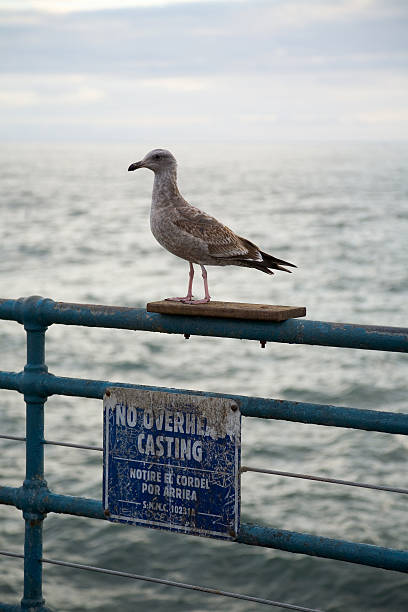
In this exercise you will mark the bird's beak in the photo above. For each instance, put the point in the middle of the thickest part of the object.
(135, 166)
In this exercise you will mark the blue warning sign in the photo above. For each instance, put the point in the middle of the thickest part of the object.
(172, 461)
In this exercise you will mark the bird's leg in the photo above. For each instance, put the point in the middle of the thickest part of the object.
(190, 282)
(189, 296)
(206, 298)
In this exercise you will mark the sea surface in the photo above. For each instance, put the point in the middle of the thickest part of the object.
(75, 227)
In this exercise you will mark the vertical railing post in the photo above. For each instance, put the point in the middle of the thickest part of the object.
(34, 482)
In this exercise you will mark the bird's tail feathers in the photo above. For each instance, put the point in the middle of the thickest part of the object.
(249, 263)
(274, 262)
(269, 261)
(267, 264)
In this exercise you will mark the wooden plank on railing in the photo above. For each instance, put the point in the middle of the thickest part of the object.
(230, 310)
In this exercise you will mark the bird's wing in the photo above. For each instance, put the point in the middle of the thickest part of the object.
(220, 240)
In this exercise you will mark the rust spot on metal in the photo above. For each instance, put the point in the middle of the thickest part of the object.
(106, 513)
(107, 393)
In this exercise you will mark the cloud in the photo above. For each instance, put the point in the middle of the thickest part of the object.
(284, 12)
(47, 90)
(396, 115)
(263, 118)
(258, 69)
(298, 14)
(259, 107)
(195, 39)
(183, 84)
(71, 6)
(18, 98)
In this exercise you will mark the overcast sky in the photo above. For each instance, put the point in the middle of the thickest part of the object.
(189, 70)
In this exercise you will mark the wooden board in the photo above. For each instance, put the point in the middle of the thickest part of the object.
(230, 310)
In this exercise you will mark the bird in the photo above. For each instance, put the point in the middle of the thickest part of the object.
(193, 235)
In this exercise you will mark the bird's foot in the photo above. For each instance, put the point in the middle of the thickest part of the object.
(178, 299)
(187, 300)
(203, 301)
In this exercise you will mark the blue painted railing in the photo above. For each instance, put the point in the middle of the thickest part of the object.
(36, 384)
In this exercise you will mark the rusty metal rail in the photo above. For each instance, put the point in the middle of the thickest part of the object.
(37, 384)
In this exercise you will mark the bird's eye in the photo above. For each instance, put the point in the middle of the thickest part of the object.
(156, 156)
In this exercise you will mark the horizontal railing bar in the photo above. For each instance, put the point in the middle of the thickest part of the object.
(256, 535)
(293, 331)
(47, 501)
(8, 553)
(70, 504)
(266, 408)
(328, 548)
(349, 483)
(71, 445)
(11, 380)
(16, 438)
(182, 585)
(8, 495)
(246, 468)
(55, 443)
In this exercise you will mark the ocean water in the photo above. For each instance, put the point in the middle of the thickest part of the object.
(75, 227)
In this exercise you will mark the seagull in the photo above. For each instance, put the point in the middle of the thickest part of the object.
(192, 234)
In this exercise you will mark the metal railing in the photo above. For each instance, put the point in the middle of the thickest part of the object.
(37, 384)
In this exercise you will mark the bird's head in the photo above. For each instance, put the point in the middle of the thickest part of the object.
(156, 160)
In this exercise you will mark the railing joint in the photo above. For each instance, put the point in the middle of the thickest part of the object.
(30, 312)
(33, 383)
(31, 499)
